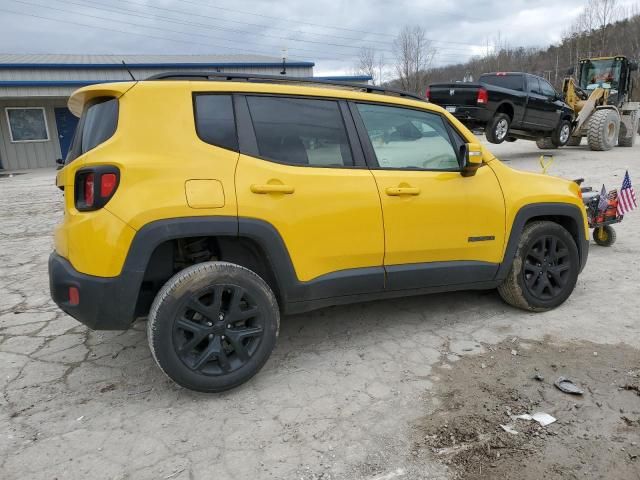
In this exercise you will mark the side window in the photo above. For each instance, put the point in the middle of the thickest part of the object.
(215, 122)
(404, 138)
(534, 85)
(512, 82)
(300, 131)
(546, 89)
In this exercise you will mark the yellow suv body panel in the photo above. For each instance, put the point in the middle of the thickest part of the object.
(328, 221)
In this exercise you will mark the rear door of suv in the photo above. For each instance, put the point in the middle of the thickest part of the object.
(299, 172)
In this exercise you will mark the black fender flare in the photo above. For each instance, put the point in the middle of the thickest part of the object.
(572, 213)
(266, 236)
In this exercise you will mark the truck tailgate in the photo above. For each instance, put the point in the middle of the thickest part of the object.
(457, 94)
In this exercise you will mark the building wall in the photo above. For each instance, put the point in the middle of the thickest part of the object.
(19, 156)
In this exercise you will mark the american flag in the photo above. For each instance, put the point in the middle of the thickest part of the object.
(626, 197)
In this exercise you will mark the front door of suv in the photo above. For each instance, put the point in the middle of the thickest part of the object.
(440, 227)
(299, 172)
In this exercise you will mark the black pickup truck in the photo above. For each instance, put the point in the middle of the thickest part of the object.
(508, 106)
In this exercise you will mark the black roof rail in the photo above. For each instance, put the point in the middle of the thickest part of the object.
(247, 77)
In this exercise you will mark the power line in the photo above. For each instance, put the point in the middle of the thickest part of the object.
(180, 12)
(160, 29)
(180, 32)
(156, 37)
(321, 25)
(183, 22)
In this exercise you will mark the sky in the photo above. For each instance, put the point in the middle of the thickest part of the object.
(329, 33)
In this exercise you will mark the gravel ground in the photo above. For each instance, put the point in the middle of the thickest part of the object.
(350, 392)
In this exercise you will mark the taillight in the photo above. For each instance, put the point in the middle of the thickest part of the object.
(483, 96)
(108, 184)
(427, 94)
(95, 186)
(89, 190)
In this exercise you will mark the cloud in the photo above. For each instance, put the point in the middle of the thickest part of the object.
(327, 32)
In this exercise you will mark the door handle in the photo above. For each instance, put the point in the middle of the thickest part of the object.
(397, 191)
(272, 188)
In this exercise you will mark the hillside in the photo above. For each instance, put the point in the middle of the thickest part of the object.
(621, 37)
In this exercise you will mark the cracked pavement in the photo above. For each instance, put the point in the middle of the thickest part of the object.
(337, 399)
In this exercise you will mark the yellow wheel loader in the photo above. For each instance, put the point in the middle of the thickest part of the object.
(600, 97)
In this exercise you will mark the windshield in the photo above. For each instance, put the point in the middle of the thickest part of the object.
(600, 73)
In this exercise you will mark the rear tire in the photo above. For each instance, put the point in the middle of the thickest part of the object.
(498, 128)
(604, 236)
(602, 131)
(562, 133)
(544, 270)
(629, 139)
(545, 143)
(213, 326)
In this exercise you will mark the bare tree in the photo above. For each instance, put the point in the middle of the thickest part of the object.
(372, 64)
(604, 12)
(414, 55)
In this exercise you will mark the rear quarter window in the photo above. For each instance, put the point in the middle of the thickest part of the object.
(215, 121)
(97, 124)
(512, 82)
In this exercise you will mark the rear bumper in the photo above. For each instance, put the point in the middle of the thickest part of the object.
(475, 116)
(105, 303)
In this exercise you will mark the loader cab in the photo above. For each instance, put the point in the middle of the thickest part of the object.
(610, 73)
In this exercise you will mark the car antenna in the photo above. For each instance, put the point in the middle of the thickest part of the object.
(131, 74)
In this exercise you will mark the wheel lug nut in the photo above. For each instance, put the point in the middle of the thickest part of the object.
(210, 336)
(209, 324)
(221, 316)
(222, 337)
(229, 326)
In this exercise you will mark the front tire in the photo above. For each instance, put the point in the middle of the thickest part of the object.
(213, 326)
(545, 269)
(562, 133)
(498, 128)
(602, 131)
(604, 236)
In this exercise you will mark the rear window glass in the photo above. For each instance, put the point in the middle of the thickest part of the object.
(300, 131)
(512, 82)
(97, 125)
(215, 122)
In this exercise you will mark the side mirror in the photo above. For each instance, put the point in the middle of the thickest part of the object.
(470, 159)
(60, 163)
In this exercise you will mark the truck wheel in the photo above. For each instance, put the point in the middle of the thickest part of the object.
(629, 138)
(604, 236)
(562, 133)
(574, 141)
(602, 132)
(213, 326)
(498, 128)
(545, 143)
(544, 270)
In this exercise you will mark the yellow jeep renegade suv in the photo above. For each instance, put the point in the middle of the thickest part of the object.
(212, 203)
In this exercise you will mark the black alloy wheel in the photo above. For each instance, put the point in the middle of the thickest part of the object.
(218, 330)
(544, 270)
(213, 326)
(546, 267)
